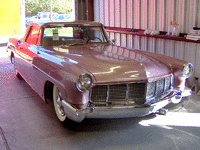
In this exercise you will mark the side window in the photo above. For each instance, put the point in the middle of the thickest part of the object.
(34, 35)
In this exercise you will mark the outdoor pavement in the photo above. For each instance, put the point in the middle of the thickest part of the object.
(28, 123)
(3, 41)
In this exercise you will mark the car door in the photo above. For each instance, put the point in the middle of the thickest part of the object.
(27, 49)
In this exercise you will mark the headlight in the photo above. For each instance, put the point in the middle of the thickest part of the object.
(84, 82)
(188, 70)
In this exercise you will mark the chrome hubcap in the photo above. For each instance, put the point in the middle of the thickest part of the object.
(59, 105)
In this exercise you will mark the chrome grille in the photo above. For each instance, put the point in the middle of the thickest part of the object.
(138, 93)
(99, 93)
(151, 89)
(136, 90)
(159, 87)
(160, 84)
(117, 92)
(168, 83)
(105, 94)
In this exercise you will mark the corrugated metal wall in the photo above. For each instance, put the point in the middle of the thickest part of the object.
(155, 15)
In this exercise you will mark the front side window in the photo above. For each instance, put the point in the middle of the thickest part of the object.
(34, 35)
(72, 35)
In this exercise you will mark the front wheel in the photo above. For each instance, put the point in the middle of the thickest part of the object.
(57, 101)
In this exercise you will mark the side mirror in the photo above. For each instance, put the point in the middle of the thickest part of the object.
(19, 42)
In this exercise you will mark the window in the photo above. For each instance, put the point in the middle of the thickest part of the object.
(73, 35)
(33, 36)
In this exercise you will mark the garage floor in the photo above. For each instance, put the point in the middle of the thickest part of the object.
(28, 123)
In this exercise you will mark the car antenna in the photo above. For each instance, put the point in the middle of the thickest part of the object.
(51, 10)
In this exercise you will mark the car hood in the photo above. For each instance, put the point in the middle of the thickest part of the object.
(109, 63)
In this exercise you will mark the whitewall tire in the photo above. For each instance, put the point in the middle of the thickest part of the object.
(57, 101)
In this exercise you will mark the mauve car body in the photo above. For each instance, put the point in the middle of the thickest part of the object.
(75, 65)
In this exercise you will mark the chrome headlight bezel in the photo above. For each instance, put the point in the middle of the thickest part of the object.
(84, 82)
(188, 70)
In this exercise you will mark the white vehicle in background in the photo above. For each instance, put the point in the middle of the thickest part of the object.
(41, 16)
(46, 15)
(63, 17)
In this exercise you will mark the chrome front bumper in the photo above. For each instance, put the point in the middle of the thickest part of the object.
(119, 112)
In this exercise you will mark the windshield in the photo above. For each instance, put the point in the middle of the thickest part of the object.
(57, 36)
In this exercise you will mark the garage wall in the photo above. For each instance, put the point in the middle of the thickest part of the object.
(155, 15)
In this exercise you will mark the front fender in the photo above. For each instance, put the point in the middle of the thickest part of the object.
(176, 66)
(64, 77)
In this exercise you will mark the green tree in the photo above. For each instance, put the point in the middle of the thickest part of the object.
(32, 7)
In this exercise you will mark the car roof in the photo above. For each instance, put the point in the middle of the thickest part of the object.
(82, 23)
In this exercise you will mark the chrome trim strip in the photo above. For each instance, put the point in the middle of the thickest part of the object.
(108, 94)
(127, 92)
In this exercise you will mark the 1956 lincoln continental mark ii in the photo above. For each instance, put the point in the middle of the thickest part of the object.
(75, 65)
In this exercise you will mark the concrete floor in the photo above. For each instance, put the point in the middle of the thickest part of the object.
(28, 123)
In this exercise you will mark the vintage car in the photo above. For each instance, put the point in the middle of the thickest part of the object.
(75, 65)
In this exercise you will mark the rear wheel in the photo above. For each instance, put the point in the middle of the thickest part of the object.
(57, 101)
